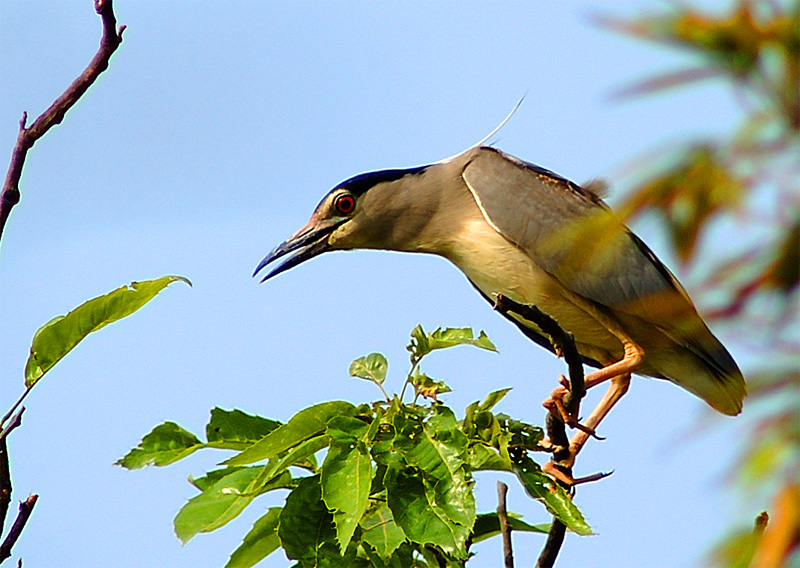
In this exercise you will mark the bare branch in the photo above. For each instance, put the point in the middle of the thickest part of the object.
(5, 483)
(28, 136)
(25, 510)
(505, 528)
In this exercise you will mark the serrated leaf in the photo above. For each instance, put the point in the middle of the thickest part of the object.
(165, 444)
(372, 367)
(416, 512)
(59, 336)
(223, 501)
(452, 336)
(305, 424)
(346, 477)
(260, 542)
(379, 530)
(487, 525)
(555, 498)
(438, 449)
(423, 343)
(307, 531)
(237, 430)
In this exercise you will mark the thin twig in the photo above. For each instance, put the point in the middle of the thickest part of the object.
(505, 528)
(13, 408)
(5, 483)
(5, 469)
(25, 510)
(28, 136)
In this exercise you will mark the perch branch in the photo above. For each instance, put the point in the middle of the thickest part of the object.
(554, 423)
(28, 136)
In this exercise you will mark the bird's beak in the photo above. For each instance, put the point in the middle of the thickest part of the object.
(312, 240)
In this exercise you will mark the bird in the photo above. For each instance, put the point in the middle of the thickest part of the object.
(524, 232)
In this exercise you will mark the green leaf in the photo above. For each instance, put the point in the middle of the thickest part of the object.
(438, 449)
(237, 430)
(555, 498)
(415, 510)
(260, 542)
(300, 456)
(60, 335)
(223, 501)
(347, 429)
(421, 343)
(346, 479)
(482, 458)
(372, 367)
(305, 424)
(306, 528)
(379, 530)
(428, 387)
(211, 477)
(487, 525)
(165, 444)
(493, 398)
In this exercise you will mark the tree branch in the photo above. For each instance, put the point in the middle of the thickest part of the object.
(28, 136)
(564, 343)
(25, 510)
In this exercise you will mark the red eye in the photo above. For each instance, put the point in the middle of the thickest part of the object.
(345, 204)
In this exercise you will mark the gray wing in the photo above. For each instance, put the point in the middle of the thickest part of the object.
(567, 231)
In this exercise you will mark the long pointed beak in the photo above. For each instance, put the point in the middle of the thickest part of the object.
(311, 240)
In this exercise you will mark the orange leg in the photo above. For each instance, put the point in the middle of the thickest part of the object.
(619, 374)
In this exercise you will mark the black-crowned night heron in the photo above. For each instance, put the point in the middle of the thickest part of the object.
(518, 230)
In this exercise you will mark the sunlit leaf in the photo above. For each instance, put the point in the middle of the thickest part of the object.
(60, 335)
(346, 477)
(423, 343)
(303, 425)
(222, 502)
(260, 542)
(487, 525)
(165, 444)
(237, 430)
(438, 449)
(380, 531)
(555, 498)
(372, 367)
(415, 510)
(428, 387)
(493, 398)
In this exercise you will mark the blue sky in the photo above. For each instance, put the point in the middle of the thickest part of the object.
(214, 133)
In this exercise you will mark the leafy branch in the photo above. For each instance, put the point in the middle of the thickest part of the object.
(395, 486)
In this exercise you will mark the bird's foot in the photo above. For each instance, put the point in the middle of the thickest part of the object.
(558, 472)
(555, 404)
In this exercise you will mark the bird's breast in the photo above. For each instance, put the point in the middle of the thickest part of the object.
(497, 266)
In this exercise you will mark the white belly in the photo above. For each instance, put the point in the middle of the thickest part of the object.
(497, 266)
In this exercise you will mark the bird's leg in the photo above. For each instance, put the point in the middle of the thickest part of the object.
(619, 374)
(555, 404)
(618, 387)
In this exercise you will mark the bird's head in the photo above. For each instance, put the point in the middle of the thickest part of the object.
(361, 212)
